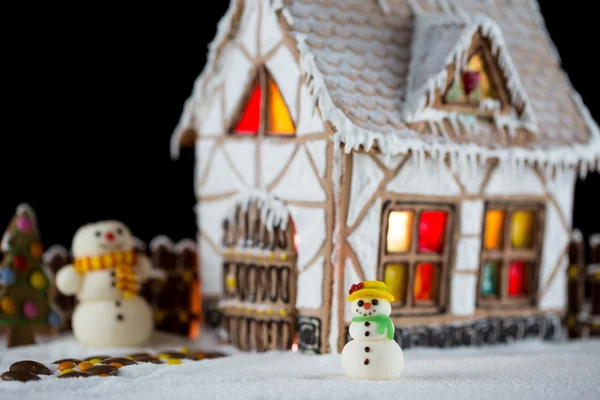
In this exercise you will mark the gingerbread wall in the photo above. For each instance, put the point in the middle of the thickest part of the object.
(295, 169)
(373, 179)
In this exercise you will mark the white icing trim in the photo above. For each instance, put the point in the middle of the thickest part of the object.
(594, 240)
(139, 243)
(53, 251)
(161, 240)
(248, 305)
(577, 236)
(184, 244)
(384, 6)
(468, 24)
(272, 210)
(202, 93)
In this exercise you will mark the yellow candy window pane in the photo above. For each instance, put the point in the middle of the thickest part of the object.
(476, 65)
(396, 278)
(399, 233)
(521, 229)
(279, 119)
(494, 229)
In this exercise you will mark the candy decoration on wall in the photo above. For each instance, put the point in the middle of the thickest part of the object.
(373, 354)
(24, 302)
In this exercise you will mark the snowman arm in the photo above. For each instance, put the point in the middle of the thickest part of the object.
(68, 281)
(146, 270)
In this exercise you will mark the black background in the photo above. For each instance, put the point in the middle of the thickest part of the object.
(91, 97)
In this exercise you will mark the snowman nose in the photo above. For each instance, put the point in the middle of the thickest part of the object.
(367, 306)
(110, 236)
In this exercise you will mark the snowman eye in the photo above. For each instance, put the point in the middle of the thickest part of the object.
(360, 303)
(119, 231)
(374, 302)
(98, 233)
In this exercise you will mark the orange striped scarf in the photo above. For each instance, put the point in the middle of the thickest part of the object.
(123, 262)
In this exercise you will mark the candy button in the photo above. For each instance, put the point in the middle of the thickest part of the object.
(29, 309)
(7, 276)
(173, 361)
(7, 305)
(84, 366)
(19, 262)
(30, 366)
(73, 360)
(20, 376)
(24, 224)
(66, 365)
(118, 361)
(36, 250)
(37, 280)
(53, 319)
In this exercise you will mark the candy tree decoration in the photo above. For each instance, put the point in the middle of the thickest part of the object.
(24, 302)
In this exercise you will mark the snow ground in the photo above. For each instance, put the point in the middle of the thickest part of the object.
(525, 370)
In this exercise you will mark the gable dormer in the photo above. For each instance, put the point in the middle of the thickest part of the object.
(460, 65)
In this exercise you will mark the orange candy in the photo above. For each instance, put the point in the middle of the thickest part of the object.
(66, 365)
(36, 250)
(83, 366)
(116, 365)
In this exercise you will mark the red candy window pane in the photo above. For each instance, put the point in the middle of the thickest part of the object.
(425, 285)
(517, 279)
(432, 229)
(250, 119)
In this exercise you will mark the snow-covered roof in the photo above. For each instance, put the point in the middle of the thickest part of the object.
(273, 212)
(356, 56)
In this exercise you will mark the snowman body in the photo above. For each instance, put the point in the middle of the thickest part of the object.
(104, 315)
(371, 354)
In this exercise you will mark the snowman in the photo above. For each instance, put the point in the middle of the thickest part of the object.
(106, 276)
(373, 353)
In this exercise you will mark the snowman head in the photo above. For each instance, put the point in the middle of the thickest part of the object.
(101, 238)
(370, 298)
(366, 306)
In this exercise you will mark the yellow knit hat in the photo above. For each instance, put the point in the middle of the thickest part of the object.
(374, 289)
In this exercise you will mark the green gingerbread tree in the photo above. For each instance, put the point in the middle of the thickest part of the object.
(25, 305)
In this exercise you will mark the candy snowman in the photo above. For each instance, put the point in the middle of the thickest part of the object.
(373, 353)
(106, 276)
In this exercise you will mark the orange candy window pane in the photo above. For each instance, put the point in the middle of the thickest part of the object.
(521, 229)
(399, 231)
(396, 279)
(517, 279)
(432, 229)
(425, 285)
(250, 119)
(279, 119)
(494, 229)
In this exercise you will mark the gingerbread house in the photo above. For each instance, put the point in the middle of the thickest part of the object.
(432, 145)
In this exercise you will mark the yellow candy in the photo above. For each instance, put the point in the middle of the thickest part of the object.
(36, 250)
(282, 312)
(95, 360)
(283, 256)
(7, 305)
(163, 356)
(66, 365)
(183, 316)
(184, 350)
(37, 280)
(83, 366)
(173, 361)
(188, 275)
(66, 371)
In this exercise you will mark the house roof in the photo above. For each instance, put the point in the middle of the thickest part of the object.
(370, 67)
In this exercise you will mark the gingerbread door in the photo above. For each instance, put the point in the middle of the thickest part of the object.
(259, 276)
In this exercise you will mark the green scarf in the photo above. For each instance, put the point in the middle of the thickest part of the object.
(383, 323)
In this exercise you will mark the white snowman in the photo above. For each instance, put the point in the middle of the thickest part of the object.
(373, 354)
(106, 276)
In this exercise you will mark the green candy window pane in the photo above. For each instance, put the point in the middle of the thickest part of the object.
(489, 280)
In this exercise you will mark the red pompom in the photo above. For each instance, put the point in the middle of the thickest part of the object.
(356, 287)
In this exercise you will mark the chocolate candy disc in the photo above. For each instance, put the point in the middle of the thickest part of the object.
(173, 354)
(30, 366)
(20, 376)
(102, 369)
(94, 358)
(118, 360)
(73, 360)
(151, 360)
(201, 355)
(75, 374)
(135, 356)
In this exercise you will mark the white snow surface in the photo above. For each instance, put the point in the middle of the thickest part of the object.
(524, 370)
